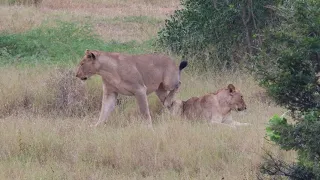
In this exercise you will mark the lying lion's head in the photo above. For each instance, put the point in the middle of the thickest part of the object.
(87, 66)
(236, 101)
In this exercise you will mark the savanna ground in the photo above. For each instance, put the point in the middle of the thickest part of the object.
(45, 112)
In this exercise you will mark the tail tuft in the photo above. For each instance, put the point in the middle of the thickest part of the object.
(182, 65)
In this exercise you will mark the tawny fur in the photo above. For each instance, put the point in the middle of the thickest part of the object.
(213, 107)
(131, 75)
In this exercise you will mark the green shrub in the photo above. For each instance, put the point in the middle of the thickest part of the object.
(287, 67)
(290, 58)
(303, 137)
(221, 31)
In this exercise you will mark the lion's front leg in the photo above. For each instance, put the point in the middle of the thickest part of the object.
(235, 123)
(228, 120)
(215, 118)
(170, 97)
(108, 105)
(218, 121)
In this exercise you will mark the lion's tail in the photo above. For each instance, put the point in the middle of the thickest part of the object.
(182, 65)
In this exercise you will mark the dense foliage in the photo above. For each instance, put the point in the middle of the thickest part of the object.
(290, 57)
(216, 32)
(287, 67)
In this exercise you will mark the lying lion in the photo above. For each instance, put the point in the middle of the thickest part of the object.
(214, 107)
(131, 75)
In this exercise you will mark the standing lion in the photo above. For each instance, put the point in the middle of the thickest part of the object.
(131, 75)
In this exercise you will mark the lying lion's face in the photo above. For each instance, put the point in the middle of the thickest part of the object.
(86, 67)
(237, 103)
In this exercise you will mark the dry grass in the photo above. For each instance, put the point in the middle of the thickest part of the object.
(19, 19)
(113, 20)
(45, 135)
(60, 148)
(136, 28)
(77, 4)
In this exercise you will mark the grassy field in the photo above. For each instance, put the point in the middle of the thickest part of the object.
(45, 112)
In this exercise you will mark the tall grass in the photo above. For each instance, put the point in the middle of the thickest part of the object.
(46, 133)
(53, 148)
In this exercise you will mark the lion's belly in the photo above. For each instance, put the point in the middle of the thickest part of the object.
(132, 81)
(192, 109)
(119, 87)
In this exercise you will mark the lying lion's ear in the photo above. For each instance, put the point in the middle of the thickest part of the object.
(91, 56)
(231, 88)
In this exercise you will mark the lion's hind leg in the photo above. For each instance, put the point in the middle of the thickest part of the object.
(161, 93)
(170, 97)
(142, 102)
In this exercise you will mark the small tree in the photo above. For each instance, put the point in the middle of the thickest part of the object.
(287, 67)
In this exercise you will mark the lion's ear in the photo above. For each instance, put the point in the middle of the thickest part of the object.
(231, 88)
(90, 54)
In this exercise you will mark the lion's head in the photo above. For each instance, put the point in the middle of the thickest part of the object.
(87, 66)
(235, 101)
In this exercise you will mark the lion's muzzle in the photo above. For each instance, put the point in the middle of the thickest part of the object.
(242, 108)
(81, 77)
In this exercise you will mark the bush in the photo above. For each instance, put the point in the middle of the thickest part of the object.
(290, 58)
(303, 137)
(287, 67)
(223, 31)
